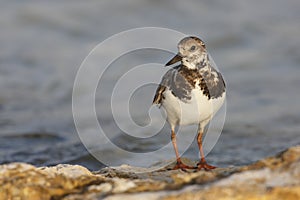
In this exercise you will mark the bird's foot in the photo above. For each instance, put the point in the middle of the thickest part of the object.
(182, 166)
(203, 165)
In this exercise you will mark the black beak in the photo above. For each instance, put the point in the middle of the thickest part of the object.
(175, 59)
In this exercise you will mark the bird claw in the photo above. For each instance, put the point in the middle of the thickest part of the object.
(203, 165)
(183, 167)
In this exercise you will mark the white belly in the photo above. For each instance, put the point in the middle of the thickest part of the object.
(194, 111)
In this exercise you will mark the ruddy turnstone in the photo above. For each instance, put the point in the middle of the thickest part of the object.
(191, 93)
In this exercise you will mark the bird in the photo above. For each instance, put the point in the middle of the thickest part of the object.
(191, 93)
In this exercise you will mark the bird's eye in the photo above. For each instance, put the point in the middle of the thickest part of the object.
(193, 48)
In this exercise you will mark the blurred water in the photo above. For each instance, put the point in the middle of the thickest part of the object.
(256, 45)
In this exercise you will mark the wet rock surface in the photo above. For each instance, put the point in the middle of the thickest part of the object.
(276, 177)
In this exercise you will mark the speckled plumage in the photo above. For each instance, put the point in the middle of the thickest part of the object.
(191, 92)
(181, 80)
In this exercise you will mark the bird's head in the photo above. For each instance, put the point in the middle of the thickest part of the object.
(191, 51)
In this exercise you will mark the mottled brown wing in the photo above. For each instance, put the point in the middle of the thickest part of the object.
(159, 96)
(215, 86)
(178, 81)
(165, 82)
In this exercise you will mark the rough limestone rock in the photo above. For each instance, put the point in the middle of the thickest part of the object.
(276, 177)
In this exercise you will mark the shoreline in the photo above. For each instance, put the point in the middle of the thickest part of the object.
(274, 177)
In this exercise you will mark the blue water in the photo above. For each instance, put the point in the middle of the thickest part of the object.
(255, 44)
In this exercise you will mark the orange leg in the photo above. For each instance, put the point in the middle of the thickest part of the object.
(179, 164)
(202, 164)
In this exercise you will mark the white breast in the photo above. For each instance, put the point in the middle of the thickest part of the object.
(194, 111)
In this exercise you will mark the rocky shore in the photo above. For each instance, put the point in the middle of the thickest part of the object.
(276, 177)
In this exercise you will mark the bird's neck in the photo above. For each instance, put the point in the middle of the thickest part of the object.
(196, 62)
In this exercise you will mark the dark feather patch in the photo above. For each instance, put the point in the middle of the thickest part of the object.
(180, 80)
(159, 96)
